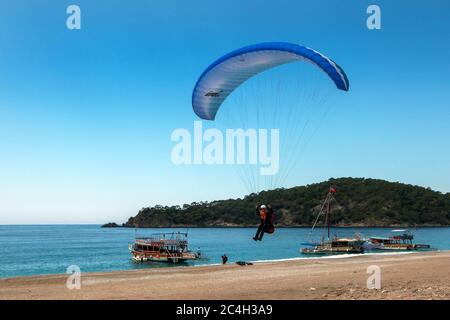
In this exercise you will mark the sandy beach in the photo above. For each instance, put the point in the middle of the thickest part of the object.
(403, 276)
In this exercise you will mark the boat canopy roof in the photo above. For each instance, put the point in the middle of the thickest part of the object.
(163, 239)
(345, 240)
(162, 242)
(380, 238)
(403, 237)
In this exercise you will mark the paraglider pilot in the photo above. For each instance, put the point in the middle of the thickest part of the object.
(265, 213)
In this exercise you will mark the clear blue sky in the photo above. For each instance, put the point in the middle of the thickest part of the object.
(86, 115)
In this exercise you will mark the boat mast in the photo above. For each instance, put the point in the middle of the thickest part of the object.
(327, 202)
(328, 213)
(326, 206)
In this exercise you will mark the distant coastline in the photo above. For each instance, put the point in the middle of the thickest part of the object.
(360, 202)
(107, 225)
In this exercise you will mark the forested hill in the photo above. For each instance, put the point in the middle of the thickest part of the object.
(361, 202)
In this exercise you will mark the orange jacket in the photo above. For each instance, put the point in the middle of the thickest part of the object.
(262, 214)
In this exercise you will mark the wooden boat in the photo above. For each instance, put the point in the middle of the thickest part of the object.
(400, 242)
(335, 245)
(163, 247)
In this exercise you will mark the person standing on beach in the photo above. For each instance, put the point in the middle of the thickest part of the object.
(224, 259)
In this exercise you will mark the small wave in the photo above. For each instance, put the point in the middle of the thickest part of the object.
(337, 256)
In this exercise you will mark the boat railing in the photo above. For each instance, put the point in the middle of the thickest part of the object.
(174, 236)
(161, 242)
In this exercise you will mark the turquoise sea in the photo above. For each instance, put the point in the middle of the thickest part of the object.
(49, 249)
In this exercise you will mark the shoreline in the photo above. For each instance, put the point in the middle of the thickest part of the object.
(279, 226)
(416, 275)
(172, 266)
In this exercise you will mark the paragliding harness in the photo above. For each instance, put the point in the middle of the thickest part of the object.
(270, 219)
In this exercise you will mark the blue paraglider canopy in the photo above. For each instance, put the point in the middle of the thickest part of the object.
(230, 71)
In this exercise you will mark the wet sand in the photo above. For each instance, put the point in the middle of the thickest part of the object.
(403, 276)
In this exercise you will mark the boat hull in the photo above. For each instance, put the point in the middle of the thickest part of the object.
(318, 250)
(154, 257)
